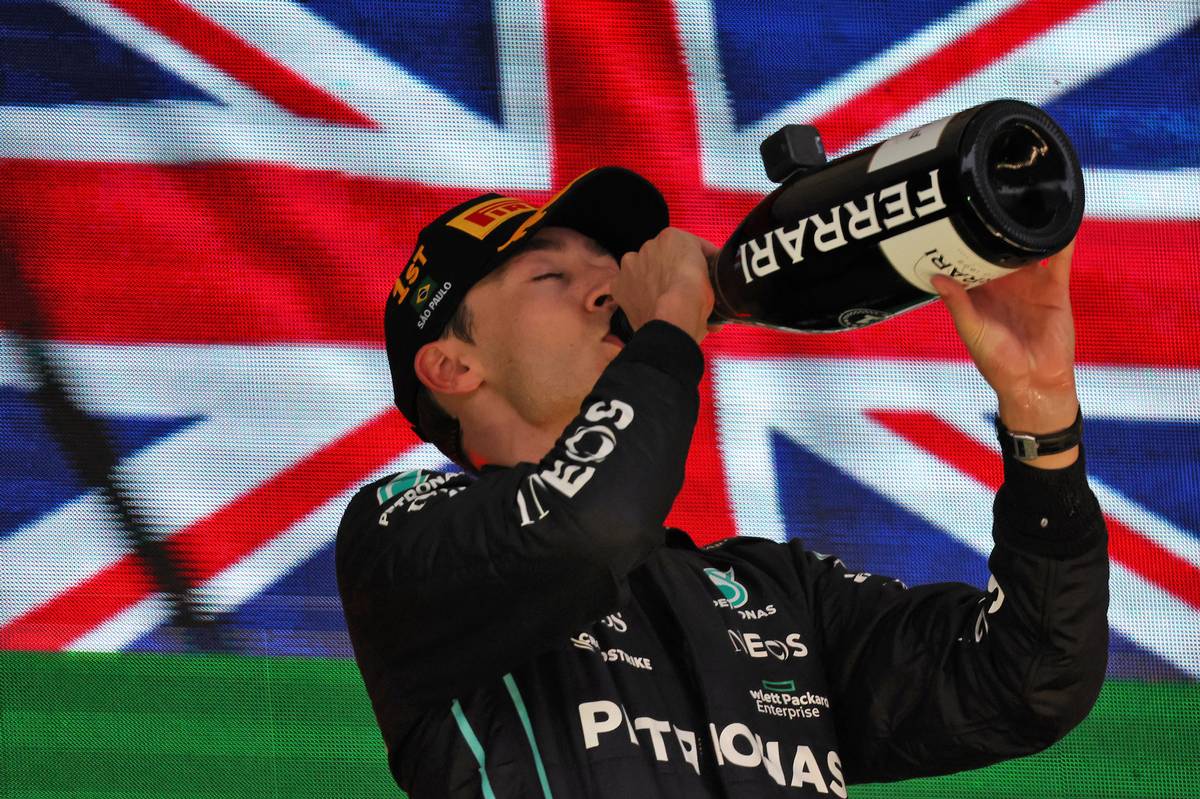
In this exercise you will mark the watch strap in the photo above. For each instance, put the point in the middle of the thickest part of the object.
(1027, 446)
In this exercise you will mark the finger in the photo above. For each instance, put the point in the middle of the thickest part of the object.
(958, 303)
(1059, 264)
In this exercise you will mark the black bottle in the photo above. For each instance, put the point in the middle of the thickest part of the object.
(853, 242)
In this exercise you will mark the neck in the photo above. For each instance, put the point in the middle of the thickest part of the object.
(502, 437)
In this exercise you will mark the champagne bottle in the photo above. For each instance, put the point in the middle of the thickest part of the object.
(846, 244)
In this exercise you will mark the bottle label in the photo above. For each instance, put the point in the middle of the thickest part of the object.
(937, 249)
(906, 145)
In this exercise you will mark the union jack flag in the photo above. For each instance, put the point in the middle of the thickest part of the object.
(209, 200)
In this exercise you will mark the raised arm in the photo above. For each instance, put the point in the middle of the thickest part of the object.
(940, 678)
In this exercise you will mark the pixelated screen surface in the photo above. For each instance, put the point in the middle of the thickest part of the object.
(204, 204)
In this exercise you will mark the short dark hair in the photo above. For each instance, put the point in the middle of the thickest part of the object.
(433, 422)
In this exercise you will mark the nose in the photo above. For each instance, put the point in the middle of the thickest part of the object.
(599, 295)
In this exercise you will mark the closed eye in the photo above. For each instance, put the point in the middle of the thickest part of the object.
(547, 275)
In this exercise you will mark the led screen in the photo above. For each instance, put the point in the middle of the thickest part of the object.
(203, 206)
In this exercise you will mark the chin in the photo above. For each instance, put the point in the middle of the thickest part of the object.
(609, 354)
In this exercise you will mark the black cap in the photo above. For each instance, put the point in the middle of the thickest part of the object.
(618, 208)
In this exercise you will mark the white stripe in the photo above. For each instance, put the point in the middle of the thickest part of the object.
(824, 403)
(55, 552)
(190, 132)
(523, 85)
(1037, 72)
(743, 438)
(1154, 619)
(1056, 62)
(731, 154)
(820, 404)
(168, 54)
(926, 42)
(1142, 195)
(15, 372)
(328, 58)
(1151, 393)
(1146, 522)
(254, 574)
(426, 137)
(263, 408)
(380, 89)
(164, 132)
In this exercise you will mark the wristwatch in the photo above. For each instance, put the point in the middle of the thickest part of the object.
(1027, 446)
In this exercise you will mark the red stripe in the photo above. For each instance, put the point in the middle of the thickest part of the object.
(639, 73)
(252, 67)
(229, 253)
(214, 543)
(935, 73)
(702, 508)
(240, 254)
(627, 102)
(1126, 546)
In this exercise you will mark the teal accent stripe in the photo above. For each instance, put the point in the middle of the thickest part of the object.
(468, 735)
(511, 684)
(401, 482)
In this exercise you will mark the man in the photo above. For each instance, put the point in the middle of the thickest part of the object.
(534, 631)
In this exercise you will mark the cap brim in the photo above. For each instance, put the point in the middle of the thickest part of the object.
(618, 208)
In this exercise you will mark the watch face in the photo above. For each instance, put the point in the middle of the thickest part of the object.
(1025, 448)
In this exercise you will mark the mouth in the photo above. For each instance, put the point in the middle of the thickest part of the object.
(619, 329)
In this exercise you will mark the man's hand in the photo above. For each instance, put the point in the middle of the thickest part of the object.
(668, 279)
(1021, 336)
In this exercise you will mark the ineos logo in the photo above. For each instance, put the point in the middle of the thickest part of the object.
(591, 444)
(596, 442)
(753, 645)
(587, 444)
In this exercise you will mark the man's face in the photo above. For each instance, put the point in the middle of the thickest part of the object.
(541, 324)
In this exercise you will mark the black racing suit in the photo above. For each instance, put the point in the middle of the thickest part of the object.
(536, 631)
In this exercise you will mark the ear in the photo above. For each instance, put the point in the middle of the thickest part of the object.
(445, 367)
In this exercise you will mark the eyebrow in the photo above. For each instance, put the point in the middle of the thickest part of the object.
(544, 243)
(506, 268)
(553, 245)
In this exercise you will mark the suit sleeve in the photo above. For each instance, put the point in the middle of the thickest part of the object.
(941, 678)
(464, 585)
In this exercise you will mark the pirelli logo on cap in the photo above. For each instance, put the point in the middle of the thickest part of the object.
(480, 220)
(520, 232)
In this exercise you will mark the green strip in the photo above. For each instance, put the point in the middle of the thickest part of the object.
(112, 726)
(82, 724)
(511, 684)
(1139, 740)
(473, 743)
